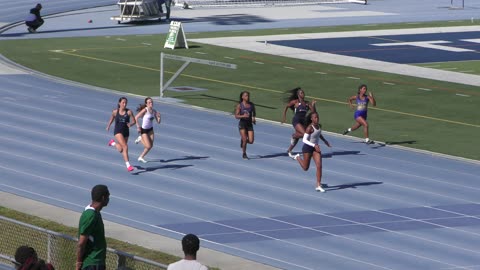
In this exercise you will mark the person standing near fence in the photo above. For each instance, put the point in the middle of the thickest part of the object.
(147, 135)
(92, 245)
(190, 246)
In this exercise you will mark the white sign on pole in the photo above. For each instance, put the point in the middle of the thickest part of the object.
(176, 36)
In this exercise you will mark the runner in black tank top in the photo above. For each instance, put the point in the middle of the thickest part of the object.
(124, 119)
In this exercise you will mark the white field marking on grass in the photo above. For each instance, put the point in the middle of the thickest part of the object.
(148, 44)
(424, 89)
(201, 52)
(462, 95)
(227, 57)
(55, 59)
(388, 83)
(319, 72)
(56, 50)
(260, 63)
(353, 78)
(288, 67)
(237, 210)
(121, 39)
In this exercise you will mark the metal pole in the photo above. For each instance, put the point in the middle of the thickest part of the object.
(161, 75)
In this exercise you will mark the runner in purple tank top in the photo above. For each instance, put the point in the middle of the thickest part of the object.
(361, 101)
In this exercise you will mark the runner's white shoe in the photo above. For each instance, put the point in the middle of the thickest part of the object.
(141, 159)
(138, 139)
(320, 189)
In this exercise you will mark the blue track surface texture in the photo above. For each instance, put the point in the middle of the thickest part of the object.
(385, 208)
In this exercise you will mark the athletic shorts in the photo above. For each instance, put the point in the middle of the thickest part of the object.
(147, 131)
(245, 125)
(307, 149)
(360, 113)
(298, 120)
(125, 133)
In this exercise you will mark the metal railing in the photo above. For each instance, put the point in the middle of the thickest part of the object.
(59, 249)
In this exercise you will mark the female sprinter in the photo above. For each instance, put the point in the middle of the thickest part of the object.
(122, 116)
(147, 136)
(245, 112)
(311, 148)
(300, 106)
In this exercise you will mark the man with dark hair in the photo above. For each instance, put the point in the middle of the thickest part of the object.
(190, 246)
(92, 246)
(34, 20)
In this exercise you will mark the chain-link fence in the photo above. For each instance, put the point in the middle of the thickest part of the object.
(59, 249)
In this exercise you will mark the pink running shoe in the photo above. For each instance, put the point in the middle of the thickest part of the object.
(130, 168)
(111, 142)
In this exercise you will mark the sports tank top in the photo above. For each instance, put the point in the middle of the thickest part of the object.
(362, 105)
(121, 121)
(315, 136)
(148, 117)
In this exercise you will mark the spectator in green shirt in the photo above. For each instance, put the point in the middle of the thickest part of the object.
(92, 246)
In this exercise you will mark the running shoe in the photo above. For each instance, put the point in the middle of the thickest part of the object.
(138, 139)
(111, 142)
(141, 159)
(320, 189)
(345, 132)
(370, 142)
(296, 156)
(130, 168)
(290, 154)
(30, 29)
(244, 156)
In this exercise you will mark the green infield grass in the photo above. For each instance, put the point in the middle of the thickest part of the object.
(431, 115)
